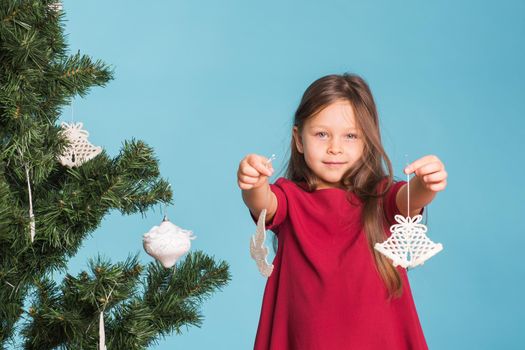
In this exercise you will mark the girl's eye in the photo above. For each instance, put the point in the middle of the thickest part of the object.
(352, 136)
(321, 134)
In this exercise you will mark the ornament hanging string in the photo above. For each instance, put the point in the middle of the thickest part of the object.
(409, 250)
(268, 196)
(408, 189)
(408, 195)
(164, 209)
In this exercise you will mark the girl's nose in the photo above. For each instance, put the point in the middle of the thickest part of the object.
(335, 147)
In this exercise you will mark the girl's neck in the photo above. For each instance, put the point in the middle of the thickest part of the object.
(321, 187)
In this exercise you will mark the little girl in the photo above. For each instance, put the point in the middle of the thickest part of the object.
(330, 290)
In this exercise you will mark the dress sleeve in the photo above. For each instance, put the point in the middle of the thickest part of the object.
(282, 208)
(390, 205)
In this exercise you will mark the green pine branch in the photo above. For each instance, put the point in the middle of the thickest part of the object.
(168, 299)
(38, 77)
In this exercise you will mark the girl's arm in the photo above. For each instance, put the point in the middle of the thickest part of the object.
(430, 178)
(252, 178)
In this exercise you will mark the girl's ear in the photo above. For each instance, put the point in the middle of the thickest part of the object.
(298, 140)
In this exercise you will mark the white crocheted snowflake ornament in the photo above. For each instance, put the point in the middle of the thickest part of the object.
(258, 250)
(79, 150)
(56, 6)
(408, 246)
(167, 242)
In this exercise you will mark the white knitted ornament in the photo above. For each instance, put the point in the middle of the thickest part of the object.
(55, 6)
(408, 246)
(258, 250)
(167, 242)
(79, 150)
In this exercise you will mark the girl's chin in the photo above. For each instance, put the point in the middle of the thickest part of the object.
(330, 182)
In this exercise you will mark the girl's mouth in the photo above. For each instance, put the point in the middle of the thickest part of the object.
(334, 164)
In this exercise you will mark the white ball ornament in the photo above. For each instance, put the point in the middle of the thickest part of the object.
(167, 242)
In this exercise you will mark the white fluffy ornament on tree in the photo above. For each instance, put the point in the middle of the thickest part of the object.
(258, 251)
(79, 150)
(167, 242)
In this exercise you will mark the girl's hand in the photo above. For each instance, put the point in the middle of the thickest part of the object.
(430, 171)
(253, 171)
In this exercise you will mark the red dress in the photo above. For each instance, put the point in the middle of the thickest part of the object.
(324, 292)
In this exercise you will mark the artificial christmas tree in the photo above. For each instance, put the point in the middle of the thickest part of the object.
(48, 207)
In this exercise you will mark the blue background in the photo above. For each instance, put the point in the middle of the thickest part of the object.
(207, 82)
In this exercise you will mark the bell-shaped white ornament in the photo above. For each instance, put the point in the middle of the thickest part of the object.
(167, 242)
(56, 6)
(408, 245)
(80, 150)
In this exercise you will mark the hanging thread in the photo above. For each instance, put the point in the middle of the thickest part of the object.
(268, 196)
(408, 188)
(409, 248)
(164, 209)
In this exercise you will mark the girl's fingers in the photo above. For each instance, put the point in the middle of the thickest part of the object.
(261, 166)
(420, 163)
(440, 186)
(248, 179)
(248, 170)
(435, 177)
(244, 186)
(251, 171)
(429, 168)
(245, 168)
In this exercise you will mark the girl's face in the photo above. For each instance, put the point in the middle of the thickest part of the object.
(330, 143)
